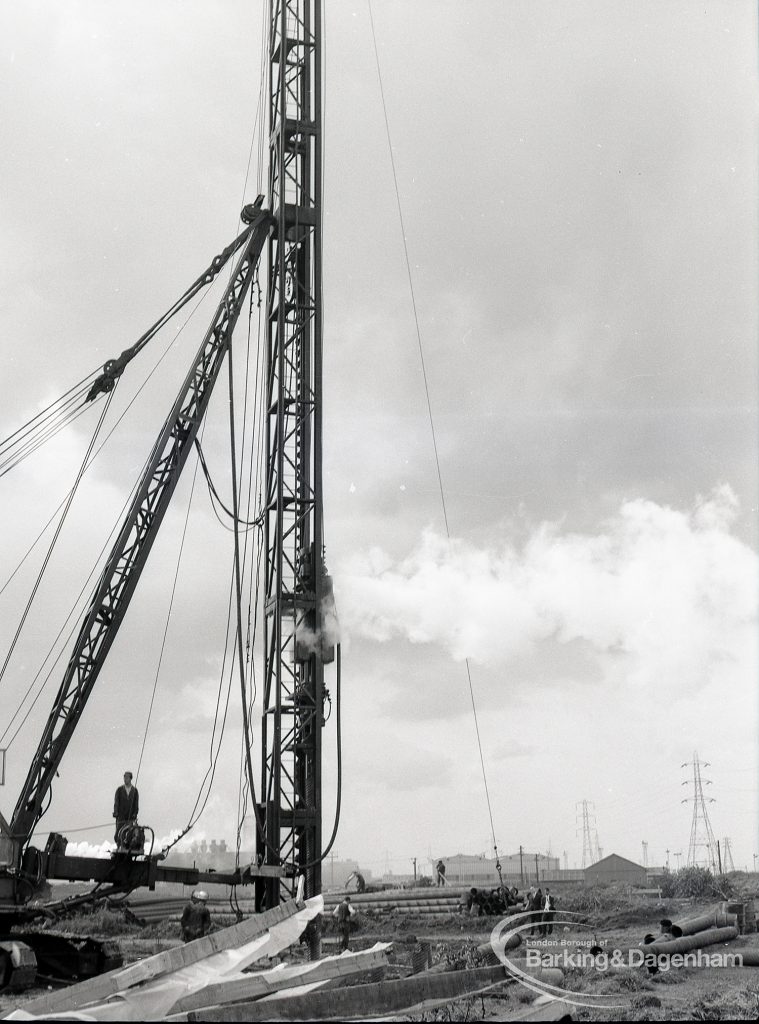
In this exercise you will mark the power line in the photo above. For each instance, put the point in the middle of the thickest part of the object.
(56, 534)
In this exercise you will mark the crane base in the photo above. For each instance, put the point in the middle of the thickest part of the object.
(58, 956)
(18, 966)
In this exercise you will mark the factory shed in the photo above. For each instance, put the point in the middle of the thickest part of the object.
(615, 869)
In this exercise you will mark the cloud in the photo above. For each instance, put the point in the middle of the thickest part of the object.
(671, 592)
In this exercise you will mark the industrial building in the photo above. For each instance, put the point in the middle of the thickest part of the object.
(615, 869)
(479, 870)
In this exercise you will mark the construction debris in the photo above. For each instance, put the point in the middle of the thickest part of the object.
(281, 978)
(218, 978)
(132, 991)
(411, 995)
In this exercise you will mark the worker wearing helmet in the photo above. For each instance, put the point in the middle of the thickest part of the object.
(196, 918)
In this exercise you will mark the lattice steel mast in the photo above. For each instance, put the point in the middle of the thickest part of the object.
(295, 582)
(701, 834)
(591, 850)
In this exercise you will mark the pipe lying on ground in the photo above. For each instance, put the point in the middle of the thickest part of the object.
(398, 895)
(708, 937)
(749, 957)
(486, 950)
(715, 919)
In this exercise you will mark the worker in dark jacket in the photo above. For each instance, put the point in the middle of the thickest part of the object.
(344, 912)
(196, 917)
(549, 912)
(473, 903)
(126, 806)
(536, 904)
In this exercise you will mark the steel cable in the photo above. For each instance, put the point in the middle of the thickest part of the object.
(56, 534)
(429, 404)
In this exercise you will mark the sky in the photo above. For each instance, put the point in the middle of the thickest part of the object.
(578, 188)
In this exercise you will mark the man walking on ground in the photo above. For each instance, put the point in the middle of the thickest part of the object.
(344, 912)
(126, 806)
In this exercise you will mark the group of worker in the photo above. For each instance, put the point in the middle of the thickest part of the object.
(543, 910)
(490, 901)
(541, 906)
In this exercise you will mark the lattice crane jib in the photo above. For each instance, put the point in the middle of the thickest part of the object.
(295, 582)
(121, 573)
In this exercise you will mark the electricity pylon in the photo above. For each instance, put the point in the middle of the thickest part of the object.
(702, 850)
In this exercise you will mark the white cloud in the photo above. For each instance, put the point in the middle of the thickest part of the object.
(672, 591)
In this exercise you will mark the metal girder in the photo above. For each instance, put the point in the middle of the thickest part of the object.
(132, 547)
(293, 575)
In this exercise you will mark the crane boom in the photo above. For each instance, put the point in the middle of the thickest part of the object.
(128, 557)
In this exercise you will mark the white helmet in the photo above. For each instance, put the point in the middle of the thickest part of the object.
(200, 895)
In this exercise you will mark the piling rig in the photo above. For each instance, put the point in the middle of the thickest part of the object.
(298, 612)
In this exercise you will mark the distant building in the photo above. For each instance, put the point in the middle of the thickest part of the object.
(615, 869)
(471, 869)
(205, 855)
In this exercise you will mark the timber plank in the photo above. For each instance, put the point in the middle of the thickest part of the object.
(256, 985)
(379, 999)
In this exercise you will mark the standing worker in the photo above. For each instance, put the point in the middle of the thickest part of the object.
(549, 912)
(126, 806)
(196, 917)
(440, 868)
(536, 903)
(344, 912)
